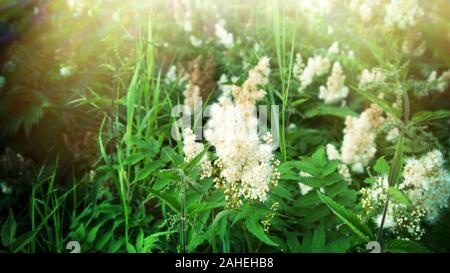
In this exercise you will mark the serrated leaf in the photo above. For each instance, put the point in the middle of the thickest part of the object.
(348, 217)
(384, 105)
(399, 196)
(405, 246)
(382, 166)
(319, 158)
(135, 158)
(168, 199)
(148, 169)
(257, 229)
(425, 116)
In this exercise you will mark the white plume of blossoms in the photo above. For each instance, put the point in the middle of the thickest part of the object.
(358, 146)
(171, 75)
(333, 154)
(298, 66)
(402, 13)
(335, 90)
(195, 42)
(191, 96)
(375, 75)
(365, 8)
(441, 82)
(191, 149)
(244, 160)
(225, 37)
(334, 48)
(427, 183)
(316, 66)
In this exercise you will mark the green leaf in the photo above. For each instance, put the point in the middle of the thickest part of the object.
(168, 199)
(318, 240)
(425, 116)
(196, 208)
(131, 248)
(348, 217)
(148, 169)
(114, 247)
(405, 246)
(149, 241)
(384, 105)
(382, 166)
(399, 196)
(325, 110)
(92, 234)
(257, 229)
(219, 223)
(140, 241)
(330, 167)
(9, 230)
(18, 244)
(135, 158)
(319, 158)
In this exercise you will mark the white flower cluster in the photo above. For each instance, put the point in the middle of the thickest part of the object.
(441, 82)
(225, 84)
(244, 160)
(358, 145)
(77, 6)
(375, 75)
(402, 13)
(299, 65)
(427, 183)
(191, 149)
(195, 42)
(66, 71)
(313, 10)
(335, 90)
(316, 66)
(225, 37)
(365, 8)
(171, 75)
(191, 96)
(333, 154)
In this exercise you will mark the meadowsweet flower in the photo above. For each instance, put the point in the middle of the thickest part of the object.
(313, 10)
(343, 170)
(171, 75)
(298, 67)
(334, 48)
(66, 71)
(393, 135)
(358, 146)
(335, 89)
(316, 66)
(245, 159)
(365, 8)
(191, 149)
(426, 182)
(77, 6)
(225, 84)
(225, 37)
(196, 42)
(375, 75)
(191, 96)
(402, 13)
